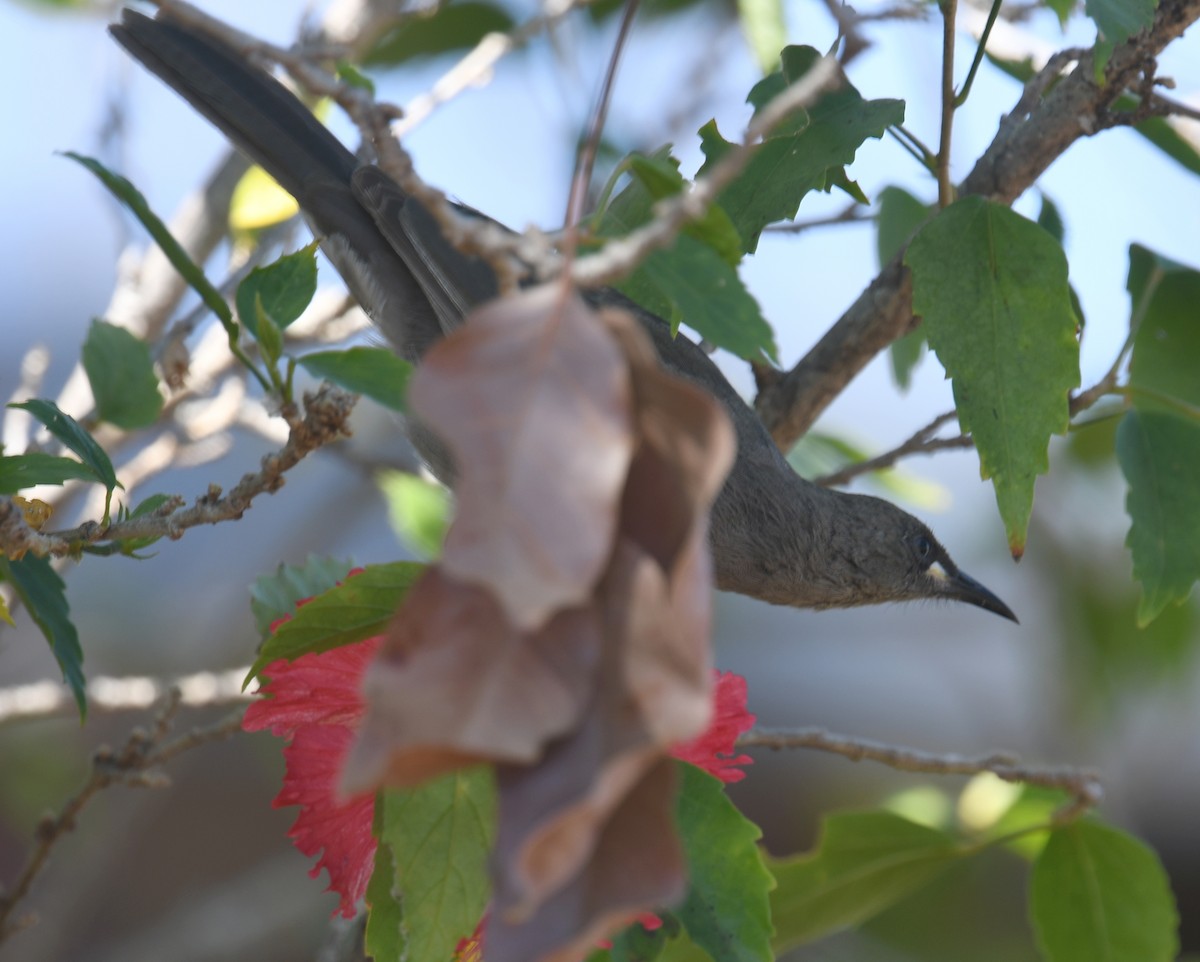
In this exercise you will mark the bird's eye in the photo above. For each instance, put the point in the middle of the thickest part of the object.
(924, 546)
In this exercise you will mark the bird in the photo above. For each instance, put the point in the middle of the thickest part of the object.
(775, 535)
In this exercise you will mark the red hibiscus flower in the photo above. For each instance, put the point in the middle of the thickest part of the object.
(316, 702)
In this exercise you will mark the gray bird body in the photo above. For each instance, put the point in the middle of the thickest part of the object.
(775, 536)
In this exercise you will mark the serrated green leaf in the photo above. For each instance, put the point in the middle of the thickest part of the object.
(900, 214)
(275, 595)
(691, 283)
(359, 608)
(727, 910)
(1166, 346)
(455, 26)
(992, 289)
(1118, 20)
(1159, 455)
(418, 509)
(44, 595)
(799, 156)
(71, 433)
(21, 471)
(285, 286)
(1100, 895)
(121, 373)
(440, 835)
(695, 280)
(863, 863)
(383, 939)
(372, 371)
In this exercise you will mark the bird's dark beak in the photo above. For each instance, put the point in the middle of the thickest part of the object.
(960, 586)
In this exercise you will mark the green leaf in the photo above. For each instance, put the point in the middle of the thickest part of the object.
(1166, 138)
(1062, 9)
(286, 288)
(695, 279)
(359, 608)
(1159, 455)
(992, 289)
(765, 27)
(121, 373)
(44, 595)
(1166, 346)
(418, 509)
(373, 371)
(863, 863)
(454, 26)
(440, 835)
(801, 155)
(21, 471)
(900, 214)
(635, 943)
(267, 333)
(1050, 220)
(727, 911)
(350, 74)
(132, 198)
(1118, 20)
(71, 433)
(384, 936)
(1099, 895)
(691, 282)
(275, 595)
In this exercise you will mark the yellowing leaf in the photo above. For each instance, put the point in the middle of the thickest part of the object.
(258, 202)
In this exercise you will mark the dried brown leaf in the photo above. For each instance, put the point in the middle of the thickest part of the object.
(552, 814)
(456, 684)
(638, 866)
(533, 397)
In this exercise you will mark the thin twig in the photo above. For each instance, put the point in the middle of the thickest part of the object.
(134, 764)
(922, 442)
(852, 214)
(326, 419)
(1082, 785)
(591, 142)
(945, 185)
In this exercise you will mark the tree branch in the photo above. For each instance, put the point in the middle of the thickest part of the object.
(134, 764)
(326, 419)
(1083, 786)
(1029, 139)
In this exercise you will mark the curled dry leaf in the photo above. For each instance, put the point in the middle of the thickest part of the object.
(552, 814)
(638, 863)
(456, 684)
(686, 447)
(565, 636)
(533, 397)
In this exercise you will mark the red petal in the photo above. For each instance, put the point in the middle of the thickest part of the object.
(714, 750)
(322, 688)
(341, 827)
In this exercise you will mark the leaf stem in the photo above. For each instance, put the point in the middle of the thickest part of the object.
(913, 144)
(979, 52)
(945, 188)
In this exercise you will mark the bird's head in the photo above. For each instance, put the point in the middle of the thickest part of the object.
(882, 553)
